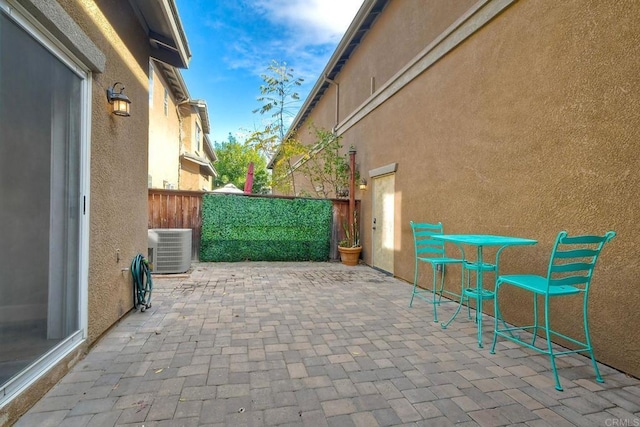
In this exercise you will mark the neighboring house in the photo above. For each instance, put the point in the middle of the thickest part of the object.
(180, 154)
(196, 152)
(73, 177)
(496, 117)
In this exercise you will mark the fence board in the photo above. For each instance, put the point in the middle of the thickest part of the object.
(183, 209)
(177, 209)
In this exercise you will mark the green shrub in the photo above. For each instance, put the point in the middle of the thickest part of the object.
(238, 228)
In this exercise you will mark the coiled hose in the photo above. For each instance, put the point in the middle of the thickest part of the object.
(141, 288)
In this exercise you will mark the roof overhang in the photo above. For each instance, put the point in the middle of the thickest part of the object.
(161, 21)
(201, 106)
(173, 76)
(206, 168)
(208, 148)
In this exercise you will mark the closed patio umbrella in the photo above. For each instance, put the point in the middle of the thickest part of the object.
(248, 184)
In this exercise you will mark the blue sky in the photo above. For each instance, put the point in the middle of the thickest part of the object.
(233, 42)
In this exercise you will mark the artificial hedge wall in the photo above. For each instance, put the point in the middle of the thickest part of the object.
(239, 228)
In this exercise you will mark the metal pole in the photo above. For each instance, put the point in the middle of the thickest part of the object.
(352, 191)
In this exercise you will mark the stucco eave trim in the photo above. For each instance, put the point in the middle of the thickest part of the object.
(473, 20)
(383, 170)
(50, 15)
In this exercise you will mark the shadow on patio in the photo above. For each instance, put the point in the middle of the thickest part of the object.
(318, 344)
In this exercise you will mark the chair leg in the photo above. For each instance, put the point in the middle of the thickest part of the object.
(535, 319)
(496, 317)
(435, 275)
(415, 284)
(462, 297)
(552, 357)
(433, 299)
(588, 341)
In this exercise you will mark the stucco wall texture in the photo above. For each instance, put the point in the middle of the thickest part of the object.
(528, 127)
(118, 192)
(164, 135)
(117, 202)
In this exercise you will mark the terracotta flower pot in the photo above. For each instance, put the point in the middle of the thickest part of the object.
(349, 256)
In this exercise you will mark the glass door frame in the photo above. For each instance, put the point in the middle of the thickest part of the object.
(20, 382)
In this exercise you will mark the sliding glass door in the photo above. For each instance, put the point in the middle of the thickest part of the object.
(41, 136)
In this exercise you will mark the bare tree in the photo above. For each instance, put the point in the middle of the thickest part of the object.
(280, 101)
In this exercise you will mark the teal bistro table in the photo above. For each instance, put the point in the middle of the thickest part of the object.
(480, 241)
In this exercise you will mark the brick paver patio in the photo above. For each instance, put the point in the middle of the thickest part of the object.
(317, 344)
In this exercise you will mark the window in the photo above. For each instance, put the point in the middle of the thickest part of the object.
(42, 226)
(166, 102)
(198, 137)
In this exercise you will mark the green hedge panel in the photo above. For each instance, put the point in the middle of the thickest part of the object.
(238, 228)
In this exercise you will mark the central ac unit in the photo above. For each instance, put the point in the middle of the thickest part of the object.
(170, 249)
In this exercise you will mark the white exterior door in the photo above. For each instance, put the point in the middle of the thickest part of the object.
(383, 219)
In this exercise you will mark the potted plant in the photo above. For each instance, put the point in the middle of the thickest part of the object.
(350, 247)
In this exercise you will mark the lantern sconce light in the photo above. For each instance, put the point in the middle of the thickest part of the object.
(363, 184)
(118, 100)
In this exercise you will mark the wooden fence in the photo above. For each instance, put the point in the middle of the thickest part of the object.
(183, 209)
(177, 209)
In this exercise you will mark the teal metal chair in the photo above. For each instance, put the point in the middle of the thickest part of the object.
(570, 272)
(431, 251)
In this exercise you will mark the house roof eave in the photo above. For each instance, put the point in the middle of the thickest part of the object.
(162, 23)
(201, 106)
(200, 161)
(173, 76)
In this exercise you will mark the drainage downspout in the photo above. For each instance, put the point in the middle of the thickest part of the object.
(333, 82)
(180, 136)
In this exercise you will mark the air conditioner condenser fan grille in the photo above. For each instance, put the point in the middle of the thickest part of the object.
(173, 251)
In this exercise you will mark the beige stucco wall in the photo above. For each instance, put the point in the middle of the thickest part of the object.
(118, 206)
(393, 43)
(190, 176)
(526, 128)
(164, 135)
(188, 128)
(118, 191)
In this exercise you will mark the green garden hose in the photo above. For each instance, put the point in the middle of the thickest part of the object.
(141, 288)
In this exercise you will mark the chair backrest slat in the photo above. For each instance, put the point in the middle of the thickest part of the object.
(425, 245)
(573, 259)
(584, 240)
(428, 241)
(430, 250)
(576, 253)
(427, 233)
(570, 281)
(574, 266)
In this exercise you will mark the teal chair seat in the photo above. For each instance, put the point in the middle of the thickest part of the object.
(570, 271)
(442, 260)
(538, 285)
(432, 252)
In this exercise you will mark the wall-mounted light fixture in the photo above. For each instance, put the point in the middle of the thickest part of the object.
(363, 184)
(119, 100)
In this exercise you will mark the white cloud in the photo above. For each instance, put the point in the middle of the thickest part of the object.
(302, 33)
(310, 31)
(311, 22)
